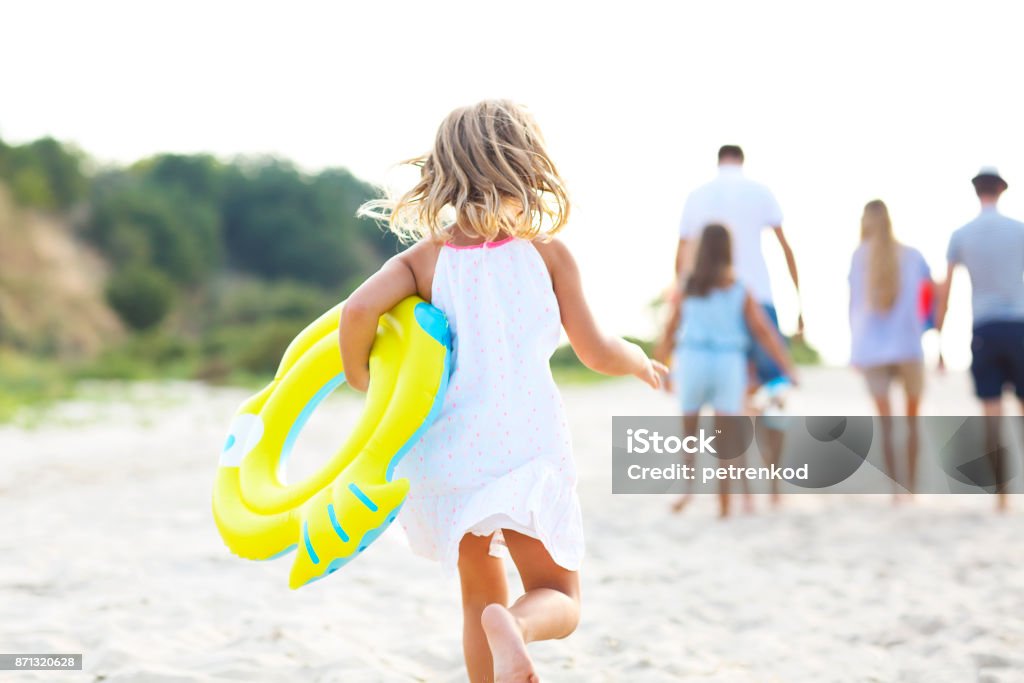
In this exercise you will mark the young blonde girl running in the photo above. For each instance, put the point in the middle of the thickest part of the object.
(497, 463)
(711, 322)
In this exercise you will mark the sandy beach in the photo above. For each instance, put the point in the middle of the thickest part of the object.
(110, 550)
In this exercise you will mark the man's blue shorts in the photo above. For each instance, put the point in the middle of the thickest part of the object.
(997, 358)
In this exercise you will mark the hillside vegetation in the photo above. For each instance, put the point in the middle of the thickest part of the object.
(51, 288)
(176, 265)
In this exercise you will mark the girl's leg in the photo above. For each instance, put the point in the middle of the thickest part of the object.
(724, 485)
(723, 498)
(550, 608)
(771, 439)
(483, 583)
(723, 491)
(689, 427)
(748, 497)
(737, 380)
(884, 409)
(913, 440)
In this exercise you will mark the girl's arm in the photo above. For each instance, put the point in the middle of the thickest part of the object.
(767, 337)
(667, 343)
(599, 351)
(379, 294)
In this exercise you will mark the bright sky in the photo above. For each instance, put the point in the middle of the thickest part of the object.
(834, 107)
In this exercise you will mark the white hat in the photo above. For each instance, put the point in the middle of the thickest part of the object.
(990, 172)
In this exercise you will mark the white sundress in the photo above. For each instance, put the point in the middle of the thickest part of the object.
(499, 455)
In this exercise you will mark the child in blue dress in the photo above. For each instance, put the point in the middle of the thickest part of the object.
(710, 325)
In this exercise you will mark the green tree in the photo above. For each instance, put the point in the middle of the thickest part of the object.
(279, 223)
(62, 166)
(44, 174)
(136, 221)
(340, 194)
(200, 177)
(142, 297)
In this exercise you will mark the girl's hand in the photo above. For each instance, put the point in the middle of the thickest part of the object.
(653, 373)
(791, 375)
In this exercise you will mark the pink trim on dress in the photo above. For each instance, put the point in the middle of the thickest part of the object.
(482, 245)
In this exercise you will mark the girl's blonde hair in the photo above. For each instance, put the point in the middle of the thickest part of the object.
(883, 255)
(489, 172)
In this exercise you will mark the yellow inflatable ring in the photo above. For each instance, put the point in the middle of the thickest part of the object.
(335, 514)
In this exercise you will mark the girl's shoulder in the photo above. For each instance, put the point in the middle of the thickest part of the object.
(551, 248)
(732, 287)
(739, 291)
(421, 259)
(555, 254)
(422, 254)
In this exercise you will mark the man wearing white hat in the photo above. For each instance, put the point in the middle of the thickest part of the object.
(991, 247)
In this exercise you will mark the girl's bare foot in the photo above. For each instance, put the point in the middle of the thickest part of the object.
(512, 663)
(681, 502)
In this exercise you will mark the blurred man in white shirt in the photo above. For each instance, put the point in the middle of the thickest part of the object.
(746, 208)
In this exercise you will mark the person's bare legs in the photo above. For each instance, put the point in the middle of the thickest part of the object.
(483, 583)
(746, 496)
(771, 440)
(689, 427)
(884, 409)
(728, 436)
(550, 608)
(993, 410)
(913, 440)
(724, 496)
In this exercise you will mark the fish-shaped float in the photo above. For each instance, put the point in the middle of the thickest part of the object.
(335, 514)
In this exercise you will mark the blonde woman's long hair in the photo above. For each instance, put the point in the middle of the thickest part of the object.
(883, 255)
(489, 172)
